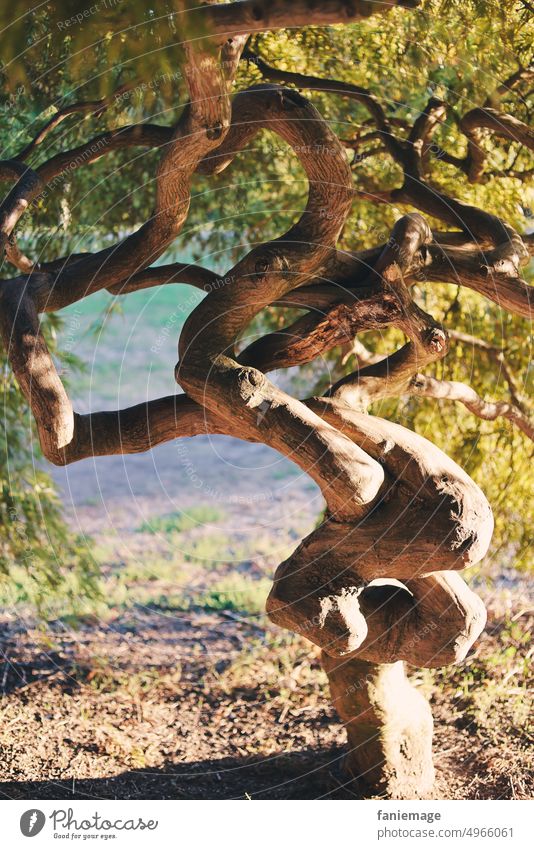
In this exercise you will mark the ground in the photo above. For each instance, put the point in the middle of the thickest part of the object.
(174, 685)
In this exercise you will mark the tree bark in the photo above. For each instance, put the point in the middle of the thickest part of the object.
(389, 727)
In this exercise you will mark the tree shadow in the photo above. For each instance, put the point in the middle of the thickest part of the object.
(17, 674)
(307, 774)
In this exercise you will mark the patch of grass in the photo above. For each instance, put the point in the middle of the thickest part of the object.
(75, 594)
(236, 592)
(156, 585)
(209, 550)
(103, 677)
(281, 669)
(491, 690)
(182, 520)
(156, 568)
(170, 601)
(263, 550)
(108, 553)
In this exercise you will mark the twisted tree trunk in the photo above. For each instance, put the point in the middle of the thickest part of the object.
(377, 584)
(389, 727)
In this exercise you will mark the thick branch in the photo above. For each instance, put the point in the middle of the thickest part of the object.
(250, 16)
(207, 370)
(139, 428)
(34, 369)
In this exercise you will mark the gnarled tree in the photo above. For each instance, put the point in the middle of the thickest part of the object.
(377, 584)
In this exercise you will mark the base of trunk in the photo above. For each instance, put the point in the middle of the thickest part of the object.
(389, 727)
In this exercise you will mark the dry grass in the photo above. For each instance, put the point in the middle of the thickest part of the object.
(183, 691)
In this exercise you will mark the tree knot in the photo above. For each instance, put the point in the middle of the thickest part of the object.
(250, 385)
(435, 340)
(214, 132)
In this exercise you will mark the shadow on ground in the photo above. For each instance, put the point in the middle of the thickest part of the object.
(311, 774)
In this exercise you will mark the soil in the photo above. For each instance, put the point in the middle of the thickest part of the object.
(167, 703)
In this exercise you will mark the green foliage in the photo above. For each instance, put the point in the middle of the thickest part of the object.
(107, 41)
(236, 592)
(456, 49)
(41, 563)
(182, 520)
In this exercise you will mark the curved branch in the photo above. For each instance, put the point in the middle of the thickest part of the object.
(349, 304)
(428, 340)
(476, 121)
(353, 92)
(452, 390)
(207, 369)
(442, 261)
(432, 518)
(201, 128)
(16, 257)
(87, 107)
(317, 332)
(28, 186)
